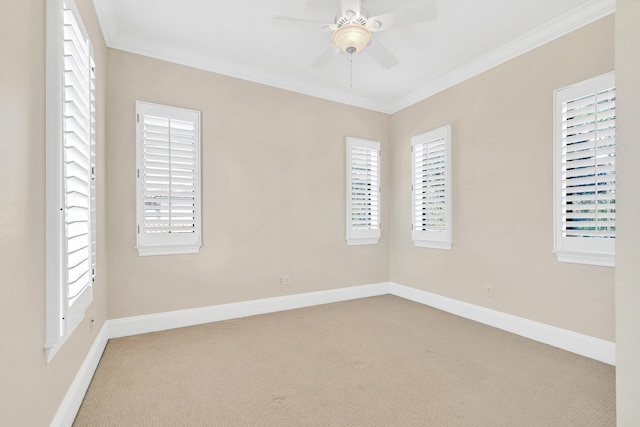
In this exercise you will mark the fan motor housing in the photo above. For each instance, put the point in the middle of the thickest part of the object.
(341, 21)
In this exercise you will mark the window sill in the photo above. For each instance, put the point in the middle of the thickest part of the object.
(355, 242)
(168, 250)
(599, 259)
(432, 244)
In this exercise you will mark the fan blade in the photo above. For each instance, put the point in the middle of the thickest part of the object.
(320, 4)
(289, 22)
(325, 57)
(382, 55)
(353, 5)
(422, 12)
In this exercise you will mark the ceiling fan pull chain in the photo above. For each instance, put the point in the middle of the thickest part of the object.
(350, 71)
(350, 51)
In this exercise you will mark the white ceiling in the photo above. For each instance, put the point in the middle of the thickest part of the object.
(237, 38)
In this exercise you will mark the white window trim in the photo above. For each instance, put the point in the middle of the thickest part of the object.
(599, 252)
(371, 235)
(176, 243)
(60, 318)
(425, 238)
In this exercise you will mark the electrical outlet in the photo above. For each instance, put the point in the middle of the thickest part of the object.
(285, 280)
(488, 290)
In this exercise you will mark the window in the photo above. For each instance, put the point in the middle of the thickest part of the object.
(70, 148)
(585, 172)
(168, 175)
(363, 191)
(431, 188)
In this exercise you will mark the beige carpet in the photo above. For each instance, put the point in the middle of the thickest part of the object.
(380, 361)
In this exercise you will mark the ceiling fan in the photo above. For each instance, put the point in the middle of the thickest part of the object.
(353, 26)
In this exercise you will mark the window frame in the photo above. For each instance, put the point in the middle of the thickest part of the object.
(579, 250)
(434, 239)
(170, 243)
(371, 234)
(61, 315)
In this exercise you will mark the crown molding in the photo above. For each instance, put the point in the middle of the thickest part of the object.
(204, 62)
(557, 28)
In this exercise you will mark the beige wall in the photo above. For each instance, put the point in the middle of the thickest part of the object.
(273, 146)
(273, 192)
(502, 139)
(30, 391)
(628, 239)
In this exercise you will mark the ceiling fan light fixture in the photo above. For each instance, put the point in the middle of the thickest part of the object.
(351, 38)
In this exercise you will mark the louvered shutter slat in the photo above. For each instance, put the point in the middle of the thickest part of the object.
(579, 164)
(599, 168)
(582, 122)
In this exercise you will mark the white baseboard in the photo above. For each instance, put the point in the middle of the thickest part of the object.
(73, 399)
(177, 319)
(584, 345)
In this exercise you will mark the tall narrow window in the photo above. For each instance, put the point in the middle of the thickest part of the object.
(168, 174)
(585, 172)
(363, 191)
(431, 188)
(71, 137)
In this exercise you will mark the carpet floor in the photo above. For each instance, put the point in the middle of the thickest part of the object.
(380, 361)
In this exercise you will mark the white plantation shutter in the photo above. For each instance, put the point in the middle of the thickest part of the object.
(585, 172)
(71, 201)
(363, 191)
(168, 179)
(588, 166)
(431, 188)
(94, 233)
(79, 143)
